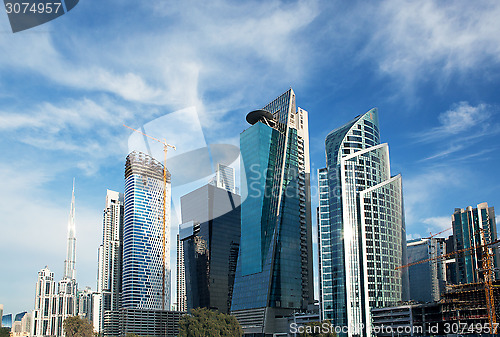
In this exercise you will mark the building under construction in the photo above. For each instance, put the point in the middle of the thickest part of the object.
(466, 303)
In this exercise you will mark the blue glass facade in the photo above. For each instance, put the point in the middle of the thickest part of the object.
(142, 276)
(470, 225)
(275, 262)
(360, 226)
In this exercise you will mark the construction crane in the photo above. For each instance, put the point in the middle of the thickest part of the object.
(433, 235)
(165, 150)
(487, 269)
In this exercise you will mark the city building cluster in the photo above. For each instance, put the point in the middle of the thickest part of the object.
(250, 254)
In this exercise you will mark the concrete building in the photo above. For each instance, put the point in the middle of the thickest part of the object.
(224, 178)
(274, 276)
(119, 323)
(1, 314)
(361, 227)
(22, 325)
(109, 278)
(181, 277)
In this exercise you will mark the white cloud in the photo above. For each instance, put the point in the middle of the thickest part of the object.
(461, 117)
(438, 224)
(421, 192)
(416, 39)
(462, 126)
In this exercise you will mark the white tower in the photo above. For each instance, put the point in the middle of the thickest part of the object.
(69, 263)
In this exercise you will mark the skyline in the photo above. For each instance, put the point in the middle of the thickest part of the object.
(432, 72)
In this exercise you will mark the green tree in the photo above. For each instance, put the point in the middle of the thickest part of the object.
(315, 329)
(77, 327)
(4, 332)
(202, 322)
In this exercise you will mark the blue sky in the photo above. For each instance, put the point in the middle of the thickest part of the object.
(66, 88)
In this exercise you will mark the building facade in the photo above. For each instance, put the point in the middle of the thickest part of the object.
(428, 279)
(109, 277)
(181, 277)
(472, 228)
(210, 236)
(361, 227)
(224, 178)
(274, 277)
(53, 306)
(146, 264)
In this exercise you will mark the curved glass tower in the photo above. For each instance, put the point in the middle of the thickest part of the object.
(274, 274)
(142, 275)
(361, 227)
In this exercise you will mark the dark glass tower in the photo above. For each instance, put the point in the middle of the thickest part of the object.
(210, 236)
(274, 276)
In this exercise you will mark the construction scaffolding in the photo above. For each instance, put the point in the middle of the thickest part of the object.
(466, 303)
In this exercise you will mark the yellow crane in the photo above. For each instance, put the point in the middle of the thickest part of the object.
(487, 269)
(165, 149)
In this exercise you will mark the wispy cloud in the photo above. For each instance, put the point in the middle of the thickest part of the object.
(415, 39)
(461, 117)
(438, 224)
(461, 127)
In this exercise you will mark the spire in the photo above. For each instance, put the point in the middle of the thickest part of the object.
(69, 263)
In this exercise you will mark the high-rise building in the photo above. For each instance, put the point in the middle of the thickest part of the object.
(21, 327)
(86, 304)
(224, 178)
(274, 277)
(7, 321)
(361, 227)
(109, 277)
(210, 236)
(1, 314)
(428, 279)
(181, 277)
(53, 306)
(473, 227)
(146, 265)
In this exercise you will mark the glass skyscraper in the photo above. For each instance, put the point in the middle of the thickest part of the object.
(274, 276)
(210, 236)
(142, 275)
(361, 227)
(470, 226)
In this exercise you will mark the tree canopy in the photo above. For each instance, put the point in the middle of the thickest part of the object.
(203, 322)
(4, 332)
(77, 327)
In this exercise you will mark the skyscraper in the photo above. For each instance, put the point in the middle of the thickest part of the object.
(472, 227)
(224, 178)
(210, 236)
(181, 277)
(53, 306)
(361, 227)
(109, 277)
(274, 276)
(428, 279)
(143, 256)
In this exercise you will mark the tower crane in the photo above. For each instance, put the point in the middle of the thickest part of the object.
(165, 149)
(487, 269)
